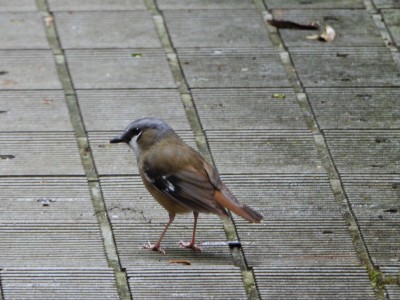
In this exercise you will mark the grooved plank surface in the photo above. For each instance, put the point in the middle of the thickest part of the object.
(123, 29)
(221, 28)
(41, 244)
(131, 236)
(313, 283)
(41, 199)
(375, 202)
(34, 153)
(261, 151)
(386, 3)
(205, 4)
(28, 69)
(124, 68)
(251, 108)
(119, 159)
(115, 109)
(137, 219)
(34, 111)
(338, 108)
(17, 5)
(302, 222)
(59, 283)
(225, 68)
(354, 28)
(393, 291)
(186, 282)
(345, 67)
(23, 30)
(314, 4)
(392, 20)
(361, 151)
(96, 5)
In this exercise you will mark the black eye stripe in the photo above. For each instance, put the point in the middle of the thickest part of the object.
(132, 132)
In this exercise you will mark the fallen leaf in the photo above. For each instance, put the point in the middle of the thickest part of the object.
(49, 20)
(328, 35)
(7, 82)
(136, 55)
(46, 101)
(180, 261)
(313, 37)
(279, 96)
(284, 24)
(17, 20)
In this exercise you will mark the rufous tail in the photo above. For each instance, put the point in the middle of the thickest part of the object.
(240, 209)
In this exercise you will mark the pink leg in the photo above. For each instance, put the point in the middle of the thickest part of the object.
(156, 246)
(192, 243)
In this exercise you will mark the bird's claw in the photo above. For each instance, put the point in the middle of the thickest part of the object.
(190, 245)
(155, 247)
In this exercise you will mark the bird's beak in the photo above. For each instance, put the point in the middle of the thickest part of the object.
(116, 140)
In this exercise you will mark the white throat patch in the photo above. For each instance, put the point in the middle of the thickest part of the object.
(134, 145)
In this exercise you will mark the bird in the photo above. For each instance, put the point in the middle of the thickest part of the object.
(178, 177)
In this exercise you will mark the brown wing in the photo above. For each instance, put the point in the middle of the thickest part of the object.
(188, 189)
(177, 172)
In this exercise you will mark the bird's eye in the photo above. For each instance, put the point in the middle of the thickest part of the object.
(134, 131)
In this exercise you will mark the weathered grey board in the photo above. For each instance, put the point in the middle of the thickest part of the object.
(354, 28)
(120, 68)
(130, 236)
(338, 108)
(34, 111)
(205, 4)
(386, 3)
(361, 151)
(303, 225)
(232, 67)
(261, 151)
(59, 283)
(313, 283)
(217, 28)
(27, 69)
(96, 5)
(41, 199)
(119, 159)
(375, 202)
(251, 108)
(186, 282)
(392, 20)
(51, 244)
(115, 109)
(314, 4)
(113, 29)
(17, 5)
(137, 219)
(345, 67)
(393, 291)
(22, 30)
(35, 153)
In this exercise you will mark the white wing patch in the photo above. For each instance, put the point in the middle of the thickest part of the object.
(169, 186)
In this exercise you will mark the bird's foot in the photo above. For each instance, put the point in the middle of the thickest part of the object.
(155, 247)
(190, 245)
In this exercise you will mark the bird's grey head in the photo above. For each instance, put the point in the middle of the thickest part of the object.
(143, 132)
